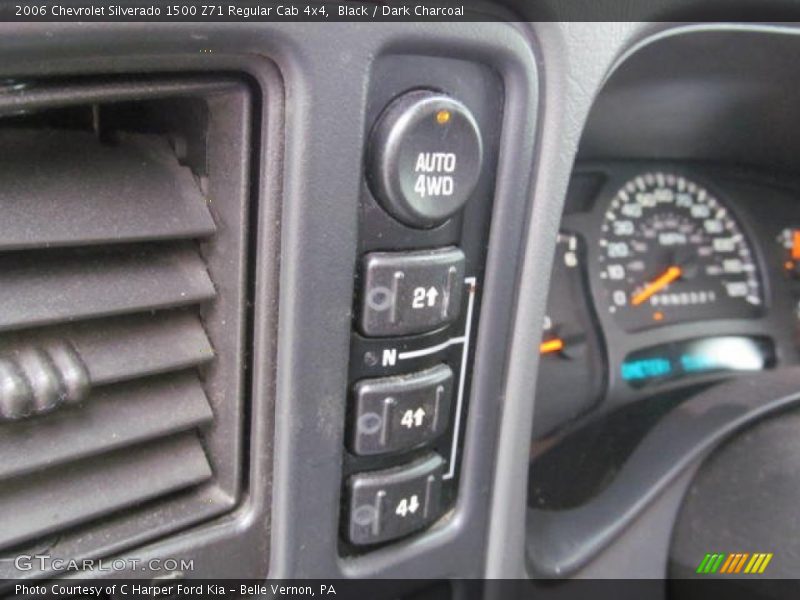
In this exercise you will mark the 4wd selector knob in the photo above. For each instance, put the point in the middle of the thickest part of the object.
(424, 158)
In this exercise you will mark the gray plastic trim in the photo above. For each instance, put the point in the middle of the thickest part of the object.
(316, 301)
(574, 70)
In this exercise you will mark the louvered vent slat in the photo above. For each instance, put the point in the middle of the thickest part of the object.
(113, 417)
(123, 348)
(61, 497)
(136, 346)
(64, 188)
(38, 288)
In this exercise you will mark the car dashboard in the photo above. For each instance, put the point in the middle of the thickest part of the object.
(508, 298)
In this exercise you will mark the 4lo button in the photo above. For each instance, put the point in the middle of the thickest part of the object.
(385, 505)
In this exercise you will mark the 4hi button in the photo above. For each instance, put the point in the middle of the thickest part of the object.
(425, 158)
(393, 414)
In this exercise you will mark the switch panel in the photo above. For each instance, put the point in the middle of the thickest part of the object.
(385, 505)
(411, 292)
(394, 414)
(425, 210)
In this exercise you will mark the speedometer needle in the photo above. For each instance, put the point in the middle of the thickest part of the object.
(657, 284)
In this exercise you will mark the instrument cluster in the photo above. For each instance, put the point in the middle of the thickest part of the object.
(667, 278)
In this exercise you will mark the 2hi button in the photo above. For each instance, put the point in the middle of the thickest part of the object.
(411, 292)
(425, 158)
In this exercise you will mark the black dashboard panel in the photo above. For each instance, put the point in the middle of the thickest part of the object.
(765, 208)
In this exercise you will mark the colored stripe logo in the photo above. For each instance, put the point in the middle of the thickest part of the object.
(737, 562)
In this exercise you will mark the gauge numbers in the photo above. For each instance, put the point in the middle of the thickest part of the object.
(671, 252)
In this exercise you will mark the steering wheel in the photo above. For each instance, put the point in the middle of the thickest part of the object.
(742, 499)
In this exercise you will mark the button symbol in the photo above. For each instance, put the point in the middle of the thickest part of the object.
(407, 506)
(364, 515)
(380, 298)
(413, 418)
(389, 357)
(370, 423)
(423, 297)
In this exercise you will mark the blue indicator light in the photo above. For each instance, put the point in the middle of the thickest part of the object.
(646, 368)
(699, 363)
(693, 358)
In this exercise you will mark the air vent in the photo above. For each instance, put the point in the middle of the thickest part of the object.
(122, 309)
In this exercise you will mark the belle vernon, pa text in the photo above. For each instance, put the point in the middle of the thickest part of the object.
(171, 590)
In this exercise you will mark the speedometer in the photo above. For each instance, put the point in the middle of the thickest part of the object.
(671, 252)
